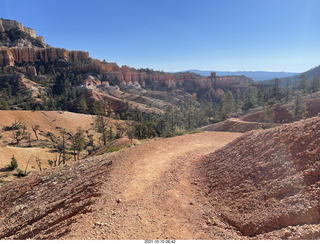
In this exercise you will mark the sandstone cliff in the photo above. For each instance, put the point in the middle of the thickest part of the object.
(6, 25)
(26, 49)
(14, 34)
(125, 75)
(17, 55)
(6, 57)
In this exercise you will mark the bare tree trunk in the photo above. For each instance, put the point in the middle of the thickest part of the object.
(25, 171)
(35, 128)
(39, 163)
(63, 149)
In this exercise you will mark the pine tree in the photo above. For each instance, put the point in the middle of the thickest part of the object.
(268, 113)
(288, 92)
(98, 108)
(299, 109)
(82, 106)
(90, 146)
(315, 84)
(13, 164)
(227, 106)
(4, 105)
(303, 84)
(251, 99)
(78, 143)
(276, 89)
(101, 126)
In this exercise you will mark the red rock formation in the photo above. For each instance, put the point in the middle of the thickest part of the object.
(126, 75)
(6, 57)
(112, 72)
(91, 81)
(91, 96)
(18, 55)
(32, 70)
(219, 93)
(40, 38)
(25, 53)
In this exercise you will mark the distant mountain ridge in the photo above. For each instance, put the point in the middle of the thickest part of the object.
(310, 74)
(255, 75)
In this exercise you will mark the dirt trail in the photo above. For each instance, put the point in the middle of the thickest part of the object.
(235, 125)
(152, 193)
(177, 188)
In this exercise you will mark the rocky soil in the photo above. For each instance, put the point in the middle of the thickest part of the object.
(212, 185)
(266, 184)
(145, 192)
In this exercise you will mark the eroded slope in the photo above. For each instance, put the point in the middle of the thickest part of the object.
(267, 183)
(145, 192)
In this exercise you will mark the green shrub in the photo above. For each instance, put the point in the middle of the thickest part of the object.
(13, 164)
(110, 149)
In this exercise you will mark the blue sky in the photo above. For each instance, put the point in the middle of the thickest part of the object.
(175, 35)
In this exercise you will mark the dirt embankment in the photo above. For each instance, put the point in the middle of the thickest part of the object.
(267, 183)
(211, 185)
(257, 119)
(281, 114)
(145, 192)
(235, 125)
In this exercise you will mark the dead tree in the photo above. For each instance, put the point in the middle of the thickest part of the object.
(38, 161)
(35, 129)
(25, 171)
(18, 136)
(28, 136)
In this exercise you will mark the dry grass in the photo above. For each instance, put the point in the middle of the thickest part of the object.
(49, 122)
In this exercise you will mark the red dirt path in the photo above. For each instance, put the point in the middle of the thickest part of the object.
(145, 192)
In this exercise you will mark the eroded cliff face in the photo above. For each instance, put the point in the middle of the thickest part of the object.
(112, 72)
(6, 57)
(18, 55)
(25, 50)
(14, 34)
(125, 75)
(6, 25)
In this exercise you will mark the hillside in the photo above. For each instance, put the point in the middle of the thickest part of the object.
(310, 74)
(257, 119)
(34, 75)
(51, 124)
(213, 185)
(236, 125)
(115, 152)
(14, 34)
(266, 184)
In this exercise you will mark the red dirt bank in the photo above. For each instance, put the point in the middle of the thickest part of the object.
(262, 185)
(145, 192)
(267, 183)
